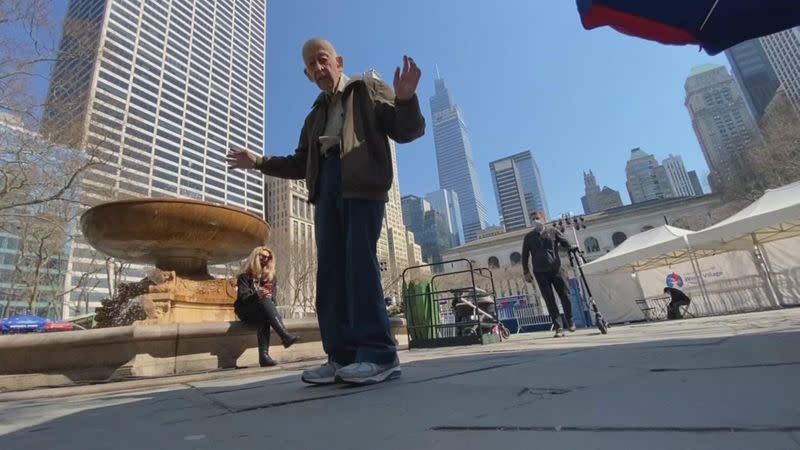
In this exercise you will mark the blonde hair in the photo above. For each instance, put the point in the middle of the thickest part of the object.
(253, 268)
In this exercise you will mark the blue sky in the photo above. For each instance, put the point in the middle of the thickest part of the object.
(525, 73)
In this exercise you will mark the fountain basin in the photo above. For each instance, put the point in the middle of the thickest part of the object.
(179, 235)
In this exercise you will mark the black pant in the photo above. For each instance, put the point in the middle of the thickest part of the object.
(547, 281)
(351, 311)
(674, 309)
(263, 314)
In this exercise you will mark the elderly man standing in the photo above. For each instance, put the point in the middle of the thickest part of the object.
(345, 158)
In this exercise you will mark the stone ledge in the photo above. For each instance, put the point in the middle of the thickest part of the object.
(90, 356)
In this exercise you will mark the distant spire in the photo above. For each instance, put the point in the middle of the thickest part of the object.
(438, 77)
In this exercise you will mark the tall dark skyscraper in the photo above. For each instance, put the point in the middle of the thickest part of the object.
(695, 180)
(454, 160)
(518, 189)
(754, 74)
(724, 126)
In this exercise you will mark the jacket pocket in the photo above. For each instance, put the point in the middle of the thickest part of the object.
(367, 168)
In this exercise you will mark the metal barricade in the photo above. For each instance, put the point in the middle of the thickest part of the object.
(528, 316)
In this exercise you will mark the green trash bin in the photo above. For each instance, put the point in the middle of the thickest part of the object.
(422, 311)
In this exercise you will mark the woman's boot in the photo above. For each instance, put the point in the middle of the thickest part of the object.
(277, 324)
(264, 360)
(287, 338)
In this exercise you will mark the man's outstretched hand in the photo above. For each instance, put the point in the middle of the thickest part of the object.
(241, 159)
(406, 79)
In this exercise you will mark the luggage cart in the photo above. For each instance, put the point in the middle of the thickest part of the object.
(454, 311)
(576, 259)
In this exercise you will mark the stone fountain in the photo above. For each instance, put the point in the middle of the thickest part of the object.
(180, 237)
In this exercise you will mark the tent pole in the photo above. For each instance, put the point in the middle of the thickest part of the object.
(758, 254)
(698, 272)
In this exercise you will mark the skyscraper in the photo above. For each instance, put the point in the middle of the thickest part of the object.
(454, 160)
(518, 189)
(783, 51)
(647, 180)
(597, 199)
(446, 203)
(724, 126)
(414, 209)
(676, 172)
(429, 227)
(695, 180)
(754, 73)
(164, 89)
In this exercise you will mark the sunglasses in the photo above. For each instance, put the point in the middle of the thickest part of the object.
(265, 257)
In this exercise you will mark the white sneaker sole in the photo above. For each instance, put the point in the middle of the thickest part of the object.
(387, 375)
(318, 381)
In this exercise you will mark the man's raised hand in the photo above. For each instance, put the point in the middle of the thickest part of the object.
(406, 79)
(241, 159)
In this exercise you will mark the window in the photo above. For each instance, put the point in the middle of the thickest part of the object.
(493, 262)
(515, 258)
(591, 245)
(618, 238)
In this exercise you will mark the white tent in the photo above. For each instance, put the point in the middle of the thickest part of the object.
(660, 246)
(774, 216)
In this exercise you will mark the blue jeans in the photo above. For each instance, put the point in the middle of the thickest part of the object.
(351, 311)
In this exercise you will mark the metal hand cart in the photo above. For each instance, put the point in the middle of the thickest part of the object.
(453, 310)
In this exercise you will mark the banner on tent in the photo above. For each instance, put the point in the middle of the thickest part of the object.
(715, 270)
(783, 258)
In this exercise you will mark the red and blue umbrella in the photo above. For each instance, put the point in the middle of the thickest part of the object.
(23, 323)
(715, 25)
(27, 323)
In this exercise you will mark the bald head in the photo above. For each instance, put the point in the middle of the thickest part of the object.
(315, 43)
(323, 65)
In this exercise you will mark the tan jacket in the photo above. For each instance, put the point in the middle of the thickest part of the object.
(371, 118)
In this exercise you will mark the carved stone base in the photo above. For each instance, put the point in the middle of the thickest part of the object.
(176, 299)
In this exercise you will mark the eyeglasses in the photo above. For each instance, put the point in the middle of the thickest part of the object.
(265, 257)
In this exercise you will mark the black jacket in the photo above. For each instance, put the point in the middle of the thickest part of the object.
(541, 245)
(247, 291)
(677, 295)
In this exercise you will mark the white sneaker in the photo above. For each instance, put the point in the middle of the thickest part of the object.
(369, 373)
(324, 374)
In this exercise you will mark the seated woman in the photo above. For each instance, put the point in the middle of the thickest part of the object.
(677, 299)
(255, 301)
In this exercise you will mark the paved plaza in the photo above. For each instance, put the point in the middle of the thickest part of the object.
(721, 382)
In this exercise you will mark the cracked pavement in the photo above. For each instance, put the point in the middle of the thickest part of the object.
(722, 382)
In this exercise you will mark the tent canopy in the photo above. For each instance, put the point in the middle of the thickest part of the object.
(653, 248)
(774, 216)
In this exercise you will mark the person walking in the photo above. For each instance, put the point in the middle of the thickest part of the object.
(540, 247)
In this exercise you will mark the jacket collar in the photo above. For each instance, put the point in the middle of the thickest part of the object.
(345, 84)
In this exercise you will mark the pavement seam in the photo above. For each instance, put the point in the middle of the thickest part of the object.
(743, 366)
(209, 398)
(599, 429)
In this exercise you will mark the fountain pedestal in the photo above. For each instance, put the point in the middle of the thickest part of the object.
(180, 237)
